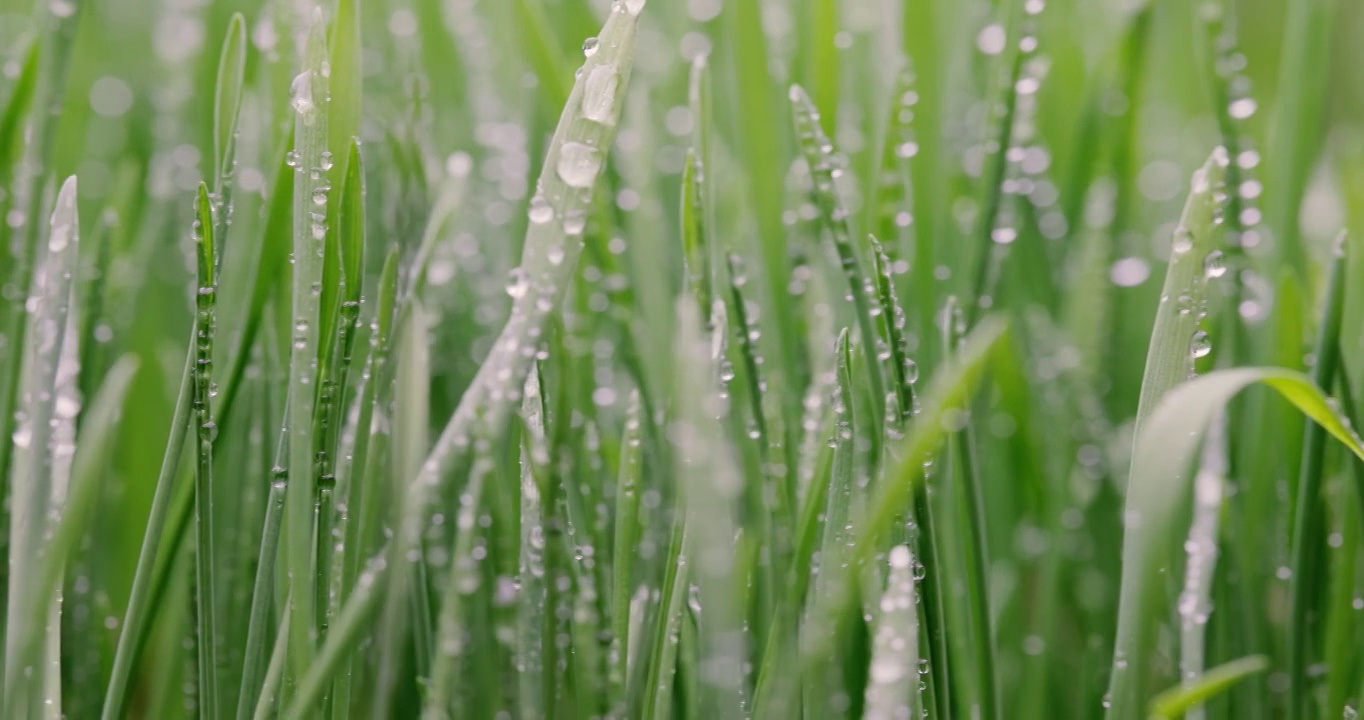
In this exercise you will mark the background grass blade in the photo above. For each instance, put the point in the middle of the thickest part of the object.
(1157, 494)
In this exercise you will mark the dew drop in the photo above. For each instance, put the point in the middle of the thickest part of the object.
(1200, 344)
(578, 164)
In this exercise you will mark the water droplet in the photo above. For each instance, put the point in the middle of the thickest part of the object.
(292, 159)
(1242, 108)
(1200, 344)
(1215, 265)
(578, 165)
(326, 160)
(301, 93)
(540, 211)
(590, 47)
(599, 95)
(518, 283)
(575, 222)
(1183, 241)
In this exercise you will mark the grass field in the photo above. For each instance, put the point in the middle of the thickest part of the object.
(695, 359)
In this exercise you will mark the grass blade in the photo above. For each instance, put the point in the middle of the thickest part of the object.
(1177, 701)
(206, 560)
(309, 99)
(1309, 526)
(893, 689)
(573, 161)
(1157, 492)
(98, 433)
(41, 470)
(1195, 258)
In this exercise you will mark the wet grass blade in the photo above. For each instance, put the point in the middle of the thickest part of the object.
(552, 246)
(1195, 258)
(824, 169)
(206, 558)
(948, 391)
(309, 100)
(623, 545)
(97, 436)
(893, 687)
(41, 469)
(711, 485)
(1158, 492)
(836, 522)
(1309, 526)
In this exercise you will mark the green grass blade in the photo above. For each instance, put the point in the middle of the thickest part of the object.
(711, 485)
(20, 101)
(1177, 701)
(41, 470)
(1309, 526)
(265, 704)
(346, 634)
(623, 546)
(1195, 256)
(948, 391)
(824, 169)
(893, 689)
(262, 601)
(573, 161)
(227, 102)
(136, 618)
(206, 558)
(1157, 492)
(824, 684)
(98, 433)
(309, 100)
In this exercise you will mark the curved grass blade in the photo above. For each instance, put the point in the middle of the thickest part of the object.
(1157, 493)
(99, 430)
(349, 628)
(39, 477)
(946, 395)
(1177, 701)
(574, 159)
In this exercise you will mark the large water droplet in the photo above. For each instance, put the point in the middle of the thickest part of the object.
(599, 95)
(301, 93)
(1215, 265)
(578, 164)
(540, 211)
(1200, 344)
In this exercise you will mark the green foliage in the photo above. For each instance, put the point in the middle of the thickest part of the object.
(764, 358)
